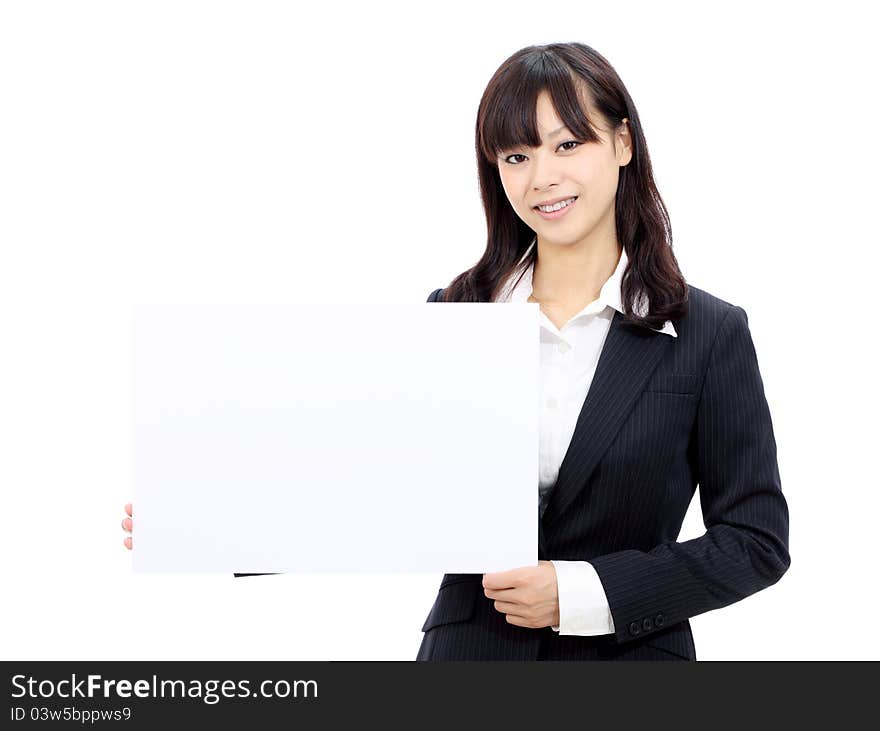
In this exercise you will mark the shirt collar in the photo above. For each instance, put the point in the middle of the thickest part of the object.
(609, 295)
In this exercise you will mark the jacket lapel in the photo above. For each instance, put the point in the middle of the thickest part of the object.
(629, 357)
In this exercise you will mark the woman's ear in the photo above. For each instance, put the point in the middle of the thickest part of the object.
(623, 143)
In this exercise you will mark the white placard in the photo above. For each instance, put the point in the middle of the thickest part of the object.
(351, 437)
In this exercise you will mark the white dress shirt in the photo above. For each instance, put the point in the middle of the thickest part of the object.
(568, 361)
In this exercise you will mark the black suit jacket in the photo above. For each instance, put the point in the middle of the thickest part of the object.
(662, 415)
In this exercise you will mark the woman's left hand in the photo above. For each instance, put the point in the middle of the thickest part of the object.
(528, 596)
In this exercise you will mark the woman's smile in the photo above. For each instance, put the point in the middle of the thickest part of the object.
(552, 215)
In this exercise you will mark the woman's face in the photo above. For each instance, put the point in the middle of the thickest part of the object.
(562, 168)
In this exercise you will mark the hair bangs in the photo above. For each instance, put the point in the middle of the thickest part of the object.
(510, 113)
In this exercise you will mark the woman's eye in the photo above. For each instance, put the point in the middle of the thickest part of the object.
(574, 143)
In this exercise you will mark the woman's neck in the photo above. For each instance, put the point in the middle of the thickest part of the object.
(575, 272)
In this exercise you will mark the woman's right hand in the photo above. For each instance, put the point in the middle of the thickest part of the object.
(126, 526)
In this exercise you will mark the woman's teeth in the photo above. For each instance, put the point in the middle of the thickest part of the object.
(556, 206)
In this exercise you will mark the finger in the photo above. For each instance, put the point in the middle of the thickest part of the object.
(507, 607)
(126, 524)
(505, 594)
(127, 543)
(499, 580)
(128, 508)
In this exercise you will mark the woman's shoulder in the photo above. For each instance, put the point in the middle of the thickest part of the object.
(705, 305)
(706, 314)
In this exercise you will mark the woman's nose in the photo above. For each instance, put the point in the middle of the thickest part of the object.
(545, 174)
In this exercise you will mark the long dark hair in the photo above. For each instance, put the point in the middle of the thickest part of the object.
(506, 118)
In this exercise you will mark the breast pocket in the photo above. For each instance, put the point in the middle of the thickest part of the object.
(681, 383)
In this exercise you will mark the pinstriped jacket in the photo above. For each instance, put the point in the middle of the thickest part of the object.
(662, 416)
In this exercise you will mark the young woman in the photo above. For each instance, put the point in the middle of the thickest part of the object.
(649, 388)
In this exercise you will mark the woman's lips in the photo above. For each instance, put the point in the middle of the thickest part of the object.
(556, 214)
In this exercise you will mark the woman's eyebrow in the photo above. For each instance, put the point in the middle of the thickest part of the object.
(556, 132)
(549, 136)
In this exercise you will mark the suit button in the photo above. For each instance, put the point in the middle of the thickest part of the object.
(647, 625)
(634, 628)
(659, 619)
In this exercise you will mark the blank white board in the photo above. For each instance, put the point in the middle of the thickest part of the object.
(347, 438)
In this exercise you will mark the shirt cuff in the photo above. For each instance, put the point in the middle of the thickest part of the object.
(583, 606)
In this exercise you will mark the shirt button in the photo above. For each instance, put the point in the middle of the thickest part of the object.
(563, 347)
(551, 403)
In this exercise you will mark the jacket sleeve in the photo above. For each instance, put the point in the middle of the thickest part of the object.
(733, 457)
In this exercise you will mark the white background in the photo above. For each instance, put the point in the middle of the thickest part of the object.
(265, 152)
